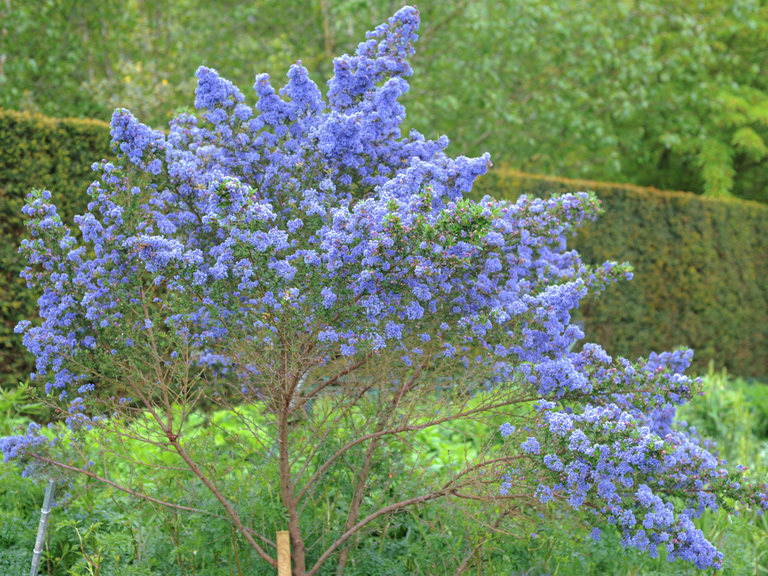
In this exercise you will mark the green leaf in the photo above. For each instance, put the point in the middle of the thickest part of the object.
(748, 141)
(716, 163)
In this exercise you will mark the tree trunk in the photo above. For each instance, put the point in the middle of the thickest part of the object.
(298, 552)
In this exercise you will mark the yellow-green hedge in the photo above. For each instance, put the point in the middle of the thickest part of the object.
(701, 264)
(701, 270)
(37, 152)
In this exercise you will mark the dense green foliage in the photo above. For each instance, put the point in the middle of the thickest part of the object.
(37, 152)
(669, 94)
(672, 94)
(132, 540)
(700, 269)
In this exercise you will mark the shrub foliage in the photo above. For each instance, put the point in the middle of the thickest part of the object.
(699, 261)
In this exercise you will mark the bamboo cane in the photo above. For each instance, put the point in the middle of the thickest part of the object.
(41, 528)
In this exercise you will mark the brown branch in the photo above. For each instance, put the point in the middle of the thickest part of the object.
(321, 441)
(312, 393)
(371, 517)
(220, 497)
(288, 492)
(143, 496)
(158, 370)
(410, 428)
(364, 472)
(495, 525)
(115, 485)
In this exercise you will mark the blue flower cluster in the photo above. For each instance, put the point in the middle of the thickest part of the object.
(252, 240)
(622, 455)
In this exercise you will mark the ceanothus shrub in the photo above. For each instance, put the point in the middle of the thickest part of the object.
(254, 247)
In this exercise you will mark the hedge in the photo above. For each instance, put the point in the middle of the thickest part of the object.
(701, 270)
(37, 152)
(701, 264)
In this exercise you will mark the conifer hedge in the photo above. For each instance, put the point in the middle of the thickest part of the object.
(37, 152)
(701, 264)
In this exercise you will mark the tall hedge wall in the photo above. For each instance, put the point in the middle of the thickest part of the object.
(701, 270)
(37, 152)
(701, 264)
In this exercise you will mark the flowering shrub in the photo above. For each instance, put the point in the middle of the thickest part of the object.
(303, 257)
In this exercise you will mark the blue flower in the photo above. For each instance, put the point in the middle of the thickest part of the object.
(531, 445)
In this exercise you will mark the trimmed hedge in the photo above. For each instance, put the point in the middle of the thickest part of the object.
(701, 270)
(37, 152)
(701, 264)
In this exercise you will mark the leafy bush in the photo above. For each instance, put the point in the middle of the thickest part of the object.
(717, 244)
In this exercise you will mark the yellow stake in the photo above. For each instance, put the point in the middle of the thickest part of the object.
(283, 553)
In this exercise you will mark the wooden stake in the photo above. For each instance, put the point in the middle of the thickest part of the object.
(283, 553)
